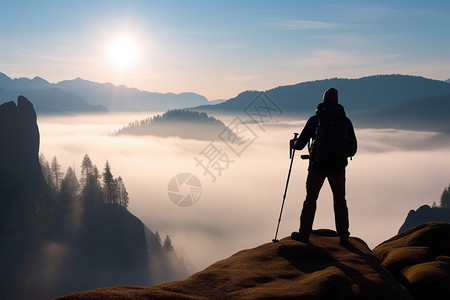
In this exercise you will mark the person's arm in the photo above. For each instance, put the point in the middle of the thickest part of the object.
(307, 133)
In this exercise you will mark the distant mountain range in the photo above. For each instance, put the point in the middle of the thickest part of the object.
(398, 101)
(363, 95)
(217, 101)
(45, 96)
(83, 96)
(121, 98)
(431, 113)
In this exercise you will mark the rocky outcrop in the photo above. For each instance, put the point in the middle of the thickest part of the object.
(411, 265)
(420, 260)
(288, 269)
(19, 154)
(425, 214)
(20, 172)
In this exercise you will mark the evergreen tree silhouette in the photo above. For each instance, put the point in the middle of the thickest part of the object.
(167, 246)
(92, 191)
(110, 190)
(122, 194)
(158, 237)
(70, 187)
(55, 169)
(445, 198)
(86, 168)
(46, 172)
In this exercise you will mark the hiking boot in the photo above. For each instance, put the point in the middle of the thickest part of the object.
(344, 242)
(300, 238)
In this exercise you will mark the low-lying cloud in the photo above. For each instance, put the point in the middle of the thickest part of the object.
(387, 178)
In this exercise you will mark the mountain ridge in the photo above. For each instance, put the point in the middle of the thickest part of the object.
(422, 114)
(366, 94)
(46, 97)
(379, 101)
(94, 96)
(112, 97)
(117, 98)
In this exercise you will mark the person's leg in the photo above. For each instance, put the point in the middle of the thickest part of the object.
(337, 184)
(314, 183)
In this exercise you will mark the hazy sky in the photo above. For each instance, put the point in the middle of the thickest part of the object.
(220, 48)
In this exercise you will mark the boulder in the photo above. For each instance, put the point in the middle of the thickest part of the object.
(419, 258)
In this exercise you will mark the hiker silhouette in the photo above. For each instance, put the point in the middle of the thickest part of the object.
(333, 141)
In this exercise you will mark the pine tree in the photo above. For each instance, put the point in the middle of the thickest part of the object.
(46, 172)
(92, 191)
(55, 169)
(167, 246)
(70, 188)
(445, 198)
(122, 194)
(86, 169)
(109, 185)
(158, 237)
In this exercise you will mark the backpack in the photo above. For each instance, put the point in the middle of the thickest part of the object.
(332, 138)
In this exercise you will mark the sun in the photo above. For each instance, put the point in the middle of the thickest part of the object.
(123, 52)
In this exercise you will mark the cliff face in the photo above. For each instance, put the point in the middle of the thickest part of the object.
(19, 151)
(20, 172)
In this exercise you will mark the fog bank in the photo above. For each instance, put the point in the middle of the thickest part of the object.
(240, 208)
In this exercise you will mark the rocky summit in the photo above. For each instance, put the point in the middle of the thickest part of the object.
(411, 265)
(419, 258)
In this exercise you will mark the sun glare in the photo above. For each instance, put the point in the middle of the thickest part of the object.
(123, 52)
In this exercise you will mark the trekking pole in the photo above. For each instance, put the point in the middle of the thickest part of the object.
(291, 156)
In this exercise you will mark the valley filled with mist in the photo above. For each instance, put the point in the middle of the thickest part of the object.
(145, 149)
(207, 179)
(393, 172)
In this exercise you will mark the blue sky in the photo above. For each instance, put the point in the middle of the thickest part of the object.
(220, 48)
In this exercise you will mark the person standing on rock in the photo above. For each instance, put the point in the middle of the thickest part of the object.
(331, 140)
